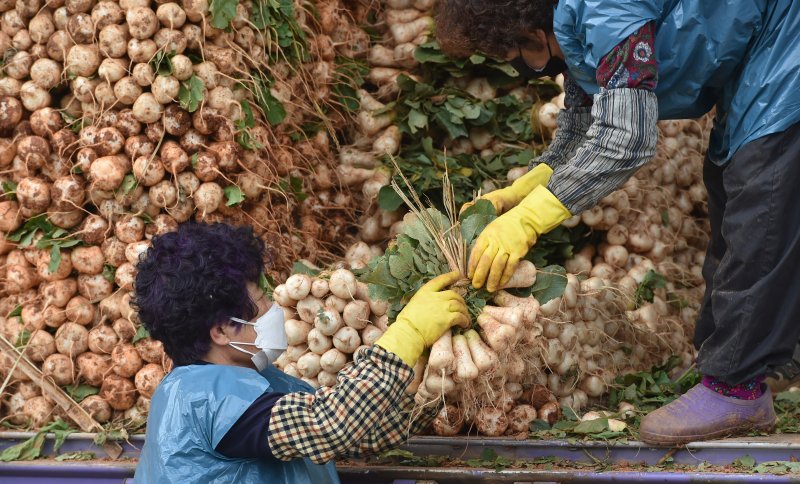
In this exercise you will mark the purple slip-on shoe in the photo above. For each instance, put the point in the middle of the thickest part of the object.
(703, 414)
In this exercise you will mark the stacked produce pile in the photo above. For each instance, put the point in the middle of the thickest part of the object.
(628, 296)
(120, 120)
(556, 336)
(629, 289)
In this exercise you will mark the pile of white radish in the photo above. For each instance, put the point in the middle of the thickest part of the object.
(327, 320)
(98, 135)
(93, 138)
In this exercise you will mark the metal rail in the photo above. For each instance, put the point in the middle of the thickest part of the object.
(720, 453)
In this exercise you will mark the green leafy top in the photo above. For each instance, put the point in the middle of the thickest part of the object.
(414, 258)
(233, 195)
(54, 238)
(273, 109)
(222, 12)
(191, 93)
(278, 19)
(646, 289)
(431, 112)
(162, 62)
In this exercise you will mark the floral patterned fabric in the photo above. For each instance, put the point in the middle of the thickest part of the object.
(574, 96)
(749, 390)
(632, 63)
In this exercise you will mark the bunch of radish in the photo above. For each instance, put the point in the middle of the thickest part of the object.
(573, 346)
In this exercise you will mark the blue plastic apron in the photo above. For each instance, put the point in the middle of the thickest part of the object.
(192, 410)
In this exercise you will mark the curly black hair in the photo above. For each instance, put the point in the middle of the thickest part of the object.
(193, 279)
(493, 27)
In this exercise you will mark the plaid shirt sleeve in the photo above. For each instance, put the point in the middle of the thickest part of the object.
(395, 429)
(365, 412)
(623, 133)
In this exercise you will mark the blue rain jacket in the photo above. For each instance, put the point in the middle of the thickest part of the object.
(741, 55)
(192, 410)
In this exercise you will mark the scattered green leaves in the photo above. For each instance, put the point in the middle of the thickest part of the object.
(129, 183)
(32, 448)
(222, 12)
(646, 289)
(267, 284)
(243, 135)
(109, 272)
(787, 406)
(53, 238)
(233, 195)
(293, 186)
(745, 462)
(141, 333)
(190, 94)
(778, 467)
(272, 108)
(17, 311)
(490, 459)
(110, 433)
(649, 390)
(80, 392)
(23, 338)
(9, 189)
(162, 63)
(81, 455)
(75, 124)
(301, 268)
(408, 458)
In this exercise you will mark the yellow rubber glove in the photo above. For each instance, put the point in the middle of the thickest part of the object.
(507, 198)
(508, 238)
(426, 317)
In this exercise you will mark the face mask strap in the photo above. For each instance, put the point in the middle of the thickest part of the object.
(235, 345)
(541, 69)
(241, 321)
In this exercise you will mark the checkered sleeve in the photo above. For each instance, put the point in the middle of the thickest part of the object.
(403, 422)
(348, 418)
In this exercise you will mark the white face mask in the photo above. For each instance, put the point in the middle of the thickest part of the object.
(270, 337)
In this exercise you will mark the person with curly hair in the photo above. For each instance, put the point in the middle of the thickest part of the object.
(225, 413)
(626, 65)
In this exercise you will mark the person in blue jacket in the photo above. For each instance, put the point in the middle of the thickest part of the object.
(627, 65)
(225, 413)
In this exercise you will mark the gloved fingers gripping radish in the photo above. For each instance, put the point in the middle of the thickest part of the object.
(480, 261)
(509, 237)
(429, 313)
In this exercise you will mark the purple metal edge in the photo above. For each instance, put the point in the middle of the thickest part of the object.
(76, 442)
(359, 474)
(718, 453)
(88, 469)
